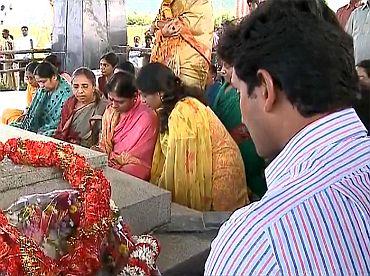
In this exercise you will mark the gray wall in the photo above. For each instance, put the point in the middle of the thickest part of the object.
(85, 29)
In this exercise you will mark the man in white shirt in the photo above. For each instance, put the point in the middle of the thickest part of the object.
(296, 92)
(358, 26)
(25, 42)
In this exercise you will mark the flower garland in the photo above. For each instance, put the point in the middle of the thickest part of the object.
(20, 255)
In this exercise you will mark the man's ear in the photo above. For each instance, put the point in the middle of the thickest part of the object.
(268, 89)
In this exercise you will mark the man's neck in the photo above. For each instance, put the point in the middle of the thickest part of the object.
(292, 127)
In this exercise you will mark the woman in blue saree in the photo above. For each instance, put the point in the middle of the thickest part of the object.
(45, 110)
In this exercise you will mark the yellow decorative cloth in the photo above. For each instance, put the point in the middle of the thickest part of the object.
(198, 161)
(188, 51)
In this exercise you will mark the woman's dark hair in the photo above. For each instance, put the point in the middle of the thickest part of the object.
(156, 77)
(111, 58)
(31, 66)
(127, 66)
(53, 59)
(362, 105)
(366, 65)
(46, 70)
(86, 72)
(122, 84)
(316, 72)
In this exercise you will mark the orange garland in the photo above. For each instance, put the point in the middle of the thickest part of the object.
(20, 255)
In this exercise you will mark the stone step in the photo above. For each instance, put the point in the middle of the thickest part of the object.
(184, 219)
(184, 253)
(143, 205)
(12, 176)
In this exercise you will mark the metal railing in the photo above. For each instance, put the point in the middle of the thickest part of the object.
(5, 60)
(125, 50)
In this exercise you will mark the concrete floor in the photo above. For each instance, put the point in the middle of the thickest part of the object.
(184, 253)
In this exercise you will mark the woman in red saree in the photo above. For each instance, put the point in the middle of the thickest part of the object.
(82, 113)
(130, 128)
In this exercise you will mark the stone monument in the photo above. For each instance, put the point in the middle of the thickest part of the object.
(143, 205)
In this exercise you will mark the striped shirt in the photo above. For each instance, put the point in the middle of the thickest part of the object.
(315, 216)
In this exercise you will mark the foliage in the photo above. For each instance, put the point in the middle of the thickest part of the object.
(136, 30)
(136, 19)
(222, 18)
(139, 19)
(3, 86)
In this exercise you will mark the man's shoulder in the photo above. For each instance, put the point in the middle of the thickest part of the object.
(251, 218)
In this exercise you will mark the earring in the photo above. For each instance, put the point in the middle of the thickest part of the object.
(160, 96)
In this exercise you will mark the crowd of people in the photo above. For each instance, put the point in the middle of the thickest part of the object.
(284, 128)
(8, 43)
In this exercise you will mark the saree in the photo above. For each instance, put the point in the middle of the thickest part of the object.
(198, 161)
(227, 108)
(45, 110)
(81, 125)
(188, 52)
(129, 139)
(12, 115)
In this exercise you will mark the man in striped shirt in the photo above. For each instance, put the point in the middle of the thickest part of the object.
(296, 92)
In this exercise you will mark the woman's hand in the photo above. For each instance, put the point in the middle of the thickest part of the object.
(171, 28)
(113, 162)
(97, 148)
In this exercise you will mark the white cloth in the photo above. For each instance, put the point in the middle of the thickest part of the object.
(24, 43)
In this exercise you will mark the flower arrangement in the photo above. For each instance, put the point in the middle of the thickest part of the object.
(69, 232)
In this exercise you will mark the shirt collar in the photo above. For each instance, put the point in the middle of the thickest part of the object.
(353, 4)
(330, 129)
(366, 5)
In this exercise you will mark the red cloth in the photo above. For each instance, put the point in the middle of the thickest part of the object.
(64, 133)
(344, 12)
(134, 140)
(102, 82)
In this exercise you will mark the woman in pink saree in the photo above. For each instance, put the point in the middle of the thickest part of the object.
(130, 128)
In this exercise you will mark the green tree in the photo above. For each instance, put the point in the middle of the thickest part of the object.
(139, 19)
(222, 18)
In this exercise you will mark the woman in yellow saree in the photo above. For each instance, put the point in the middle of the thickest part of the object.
(195, 157)
(183, 39)
(11, 115)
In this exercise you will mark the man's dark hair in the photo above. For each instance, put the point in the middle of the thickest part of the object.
(366, 65)
(300, 43)
(24, 27)
(226, 44)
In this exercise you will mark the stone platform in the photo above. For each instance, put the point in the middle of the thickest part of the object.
(143, 205)
(185, 234)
